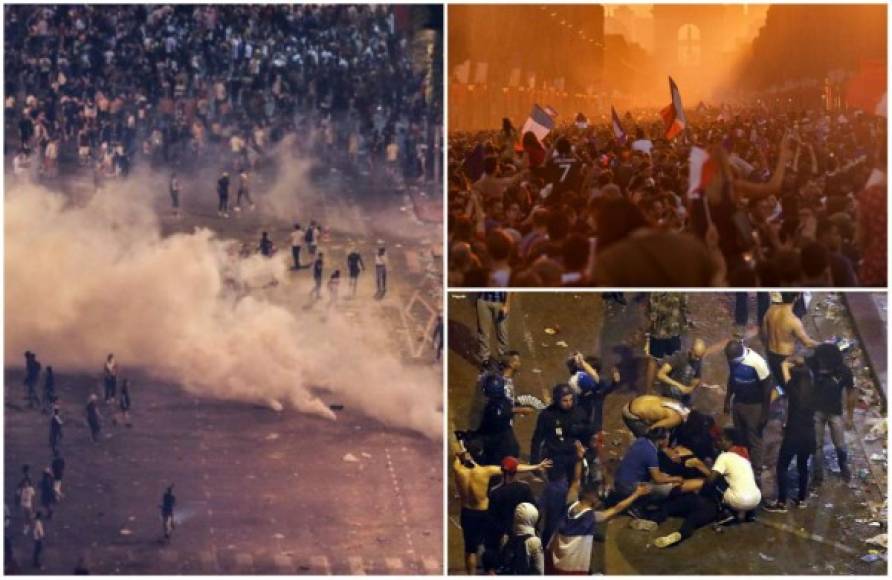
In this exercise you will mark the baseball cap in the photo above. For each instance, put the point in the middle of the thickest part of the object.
(509, 464)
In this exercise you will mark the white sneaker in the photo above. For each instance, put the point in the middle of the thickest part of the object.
(643, 525)
(669, 540)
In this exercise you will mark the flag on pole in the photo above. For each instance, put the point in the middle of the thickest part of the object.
(674, 121)
(539, 123)
(549, 110)
(618, 131)
(703, 169)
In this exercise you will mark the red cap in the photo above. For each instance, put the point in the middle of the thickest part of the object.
(509, 464)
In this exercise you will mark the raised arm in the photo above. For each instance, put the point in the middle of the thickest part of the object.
(663, 376)
(773, 186)
(641, 490)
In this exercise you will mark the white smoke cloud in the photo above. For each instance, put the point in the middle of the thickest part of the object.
(85, 280)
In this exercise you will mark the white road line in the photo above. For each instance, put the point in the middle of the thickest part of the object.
(356, 567)
(410, 543)
(320, 565)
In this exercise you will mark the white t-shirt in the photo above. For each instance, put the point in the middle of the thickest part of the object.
(297, 238)
(643, 145)
(742, 493)
(27, 496)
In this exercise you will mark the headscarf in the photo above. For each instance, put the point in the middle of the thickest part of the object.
(526, 516)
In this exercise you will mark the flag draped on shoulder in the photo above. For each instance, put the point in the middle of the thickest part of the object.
(674, 121)
(618, 132)
(539, 123)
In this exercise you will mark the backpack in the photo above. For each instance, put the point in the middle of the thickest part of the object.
(513, 559)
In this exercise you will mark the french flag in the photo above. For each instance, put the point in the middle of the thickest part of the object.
(618, 131)
(703, 169)
(674, 121)
(539, 123)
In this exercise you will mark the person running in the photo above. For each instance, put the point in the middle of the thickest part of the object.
(799, 432)
(381, 272)
(168, 502)
(124, 403)
(472, 481)
(110, 377)
(32, 375)
(570, 548)
(783, 329)
(38, 536)
(175, 194)
(297, 238)
(49, 390)
(223, 195)
(55, 430)
(93, 417)
(58, 467)
(317, 277)
(354, 268)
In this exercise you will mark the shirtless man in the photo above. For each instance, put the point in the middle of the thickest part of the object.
(647, 412)
(782, 329)
(472, 481)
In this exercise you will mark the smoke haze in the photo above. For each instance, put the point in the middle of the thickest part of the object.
(83, 281)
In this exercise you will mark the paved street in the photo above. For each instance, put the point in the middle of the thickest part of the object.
(257, 491)
(825, 538)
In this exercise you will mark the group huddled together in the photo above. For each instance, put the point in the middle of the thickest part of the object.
(794, 199)
(104, 86)
(684, 462)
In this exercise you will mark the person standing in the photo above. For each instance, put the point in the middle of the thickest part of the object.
(680, 374)
(124, 402)
(175, 194)
(93, 417)
(55, 430)
(750, 387)
(381, 272)
(58, 467)
(334, 283)
(311, 237)
(833, 379)
(297, 238)
(668, 318)
(317, 276)
(492, 311)
(354, 268)
(47, 493)
(437, 337)
(223, 195)
(32, 375)
(38, 535)
(168, 501)
(244, 190)
(266, 245)
(110, 376)
(782, 328)
(27, 493)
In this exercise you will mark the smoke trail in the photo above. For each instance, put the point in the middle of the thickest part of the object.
(83, 281)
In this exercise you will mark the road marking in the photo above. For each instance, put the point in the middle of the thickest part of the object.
(356, 568)
(319, 565)
(410, 543)
(394, 565)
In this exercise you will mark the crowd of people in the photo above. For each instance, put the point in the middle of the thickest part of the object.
(684, 462)
(37, 504)
(796, 199)
(110, 86)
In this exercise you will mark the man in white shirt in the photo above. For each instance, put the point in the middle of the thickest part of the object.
(381, 272)
(297, 238)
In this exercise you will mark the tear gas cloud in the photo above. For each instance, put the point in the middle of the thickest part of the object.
(85, 280)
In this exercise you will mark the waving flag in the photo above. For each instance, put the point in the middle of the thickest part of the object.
(703, 169)
(618, 131)
(539, 123)
(549, 110)
(674, 121)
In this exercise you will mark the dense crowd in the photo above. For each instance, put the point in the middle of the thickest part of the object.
(798, 199)
(684, 461)
(108, 85)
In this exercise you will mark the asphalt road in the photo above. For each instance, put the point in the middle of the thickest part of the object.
(822, 539)
(258, 491)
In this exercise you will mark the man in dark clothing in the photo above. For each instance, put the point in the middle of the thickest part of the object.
(832, 378)
(437, 337)
(749, 384)
(32, 375)
(799, 432)
(223, 195)
(354, 267)
(496, 429)
(266, 245)
(47, 493)
(168, 501)
(55, 430)
(558, 428)
(317, 277)
(58, 467)
(503, 500)
(93, 417)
